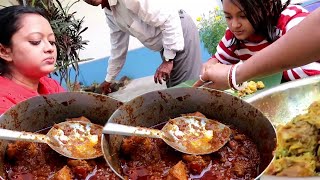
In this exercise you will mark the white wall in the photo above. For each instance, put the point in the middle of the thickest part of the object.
(7, 2)
(97, 32)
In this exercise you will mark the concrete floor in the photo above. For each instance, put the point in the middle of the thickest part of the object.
(137, 87)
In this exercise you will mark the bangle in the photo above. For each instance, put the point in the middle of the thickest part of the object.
(200, 77)
(233, 82)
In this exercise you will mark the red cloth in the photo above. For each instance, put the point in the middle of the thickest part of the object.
(12, 93)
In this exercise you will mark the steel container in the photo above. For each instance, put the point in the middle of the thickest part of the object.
(282, 103)
(43, 111)
(159, 106)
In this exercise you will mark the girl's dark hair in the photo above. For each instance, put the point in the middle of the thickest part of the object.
(263, 16)
(10, 18)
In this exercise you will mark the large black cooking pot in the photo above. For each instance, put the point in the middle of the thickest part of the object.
(158, 106)
(43, 111)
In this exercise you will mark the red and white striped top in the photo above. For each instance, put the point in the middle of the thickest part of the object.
(289, 18)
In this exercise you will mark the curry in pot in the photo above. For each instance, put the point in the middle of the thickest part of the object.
(140, 158)
(37, 161)
(148, 158)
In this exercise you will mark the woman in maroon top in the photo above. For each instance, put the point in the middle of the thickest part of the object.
(27, 55)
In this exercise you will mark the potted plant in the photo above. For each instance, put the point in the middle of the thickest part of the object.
(212, 27)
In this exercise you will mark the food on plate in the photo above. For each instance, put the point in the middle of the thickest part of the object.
(298, 153)
(28, 160)
(250, 88)
(151, 158)
(247, 88)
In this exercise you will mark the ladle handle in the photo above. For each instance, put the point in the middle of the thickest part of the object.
(22, 136)
(120, 129)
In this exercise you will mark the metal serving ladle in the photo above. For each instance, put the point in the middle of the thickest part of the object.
(73, 139)
(187, 134)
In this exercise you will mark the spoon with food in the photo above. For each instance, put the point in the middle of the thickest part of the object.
(187, 134)
(73, 139)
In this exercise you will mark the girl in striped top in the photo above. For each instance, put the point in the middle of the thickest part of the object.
(255, 24)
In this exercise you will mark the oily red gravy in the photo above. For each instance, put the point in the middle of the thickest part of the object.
(140, 158)
(147, 158)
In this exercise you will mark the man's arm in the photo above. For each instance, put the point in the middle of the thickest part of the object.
(119, 47)
(298, 47)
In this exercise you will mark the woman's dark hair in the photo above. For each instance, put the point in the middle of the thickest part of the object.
(263, 16)
(10, 18)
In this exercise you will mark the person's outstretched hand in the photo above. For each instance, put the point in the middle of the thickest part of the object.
(163, 71)
(217, 74)
(207, 64)
(105, 87)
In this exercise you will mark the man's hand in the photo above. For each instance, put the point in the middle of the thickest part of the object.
(163, 71)
(105, 87)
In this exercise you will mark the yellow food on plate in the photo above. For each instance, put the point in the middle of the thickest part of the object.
(250, 88)
(298, 153)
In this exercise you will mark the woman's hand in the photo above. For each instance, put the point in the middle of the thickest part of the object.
(216, 73)
(209, 63)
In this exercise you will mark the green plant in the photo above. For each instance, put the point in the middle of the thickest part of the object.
(212, 27)
(67, 30)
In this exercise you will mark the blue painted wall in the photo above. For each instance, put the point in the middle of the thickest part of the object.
(140, 63)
